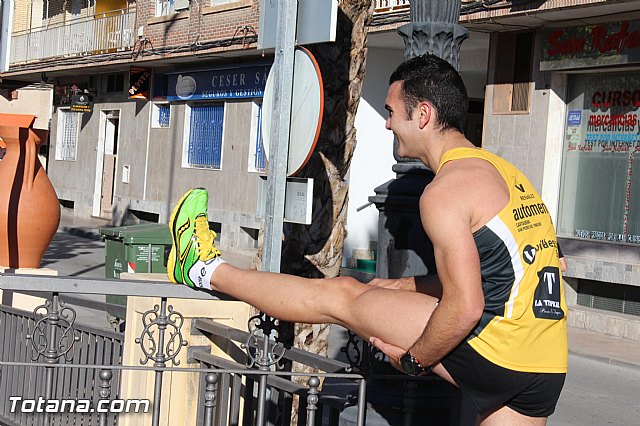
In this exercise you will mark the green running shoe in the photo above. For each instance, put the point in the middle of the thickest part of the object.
(182, 225)
(192, 238)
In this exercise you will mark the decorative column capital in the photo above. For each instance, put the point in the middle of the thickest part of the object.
(442, 39)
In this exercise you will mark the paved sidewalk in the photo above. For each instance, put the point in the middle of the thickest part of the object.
(604, 348)
(81, 227)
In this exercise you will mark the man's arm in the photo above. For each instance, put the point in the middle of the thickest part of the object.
(446, 218)
(563, 264)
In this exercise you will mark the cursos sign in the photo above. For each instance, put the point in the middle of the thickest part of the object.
(222, 83)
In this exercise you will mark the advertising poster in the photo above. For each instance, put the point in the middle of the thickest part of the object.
(139, 83)
(601, 164)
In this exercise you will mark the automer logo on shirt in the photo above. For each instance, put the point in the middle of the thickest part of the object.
(529, 210)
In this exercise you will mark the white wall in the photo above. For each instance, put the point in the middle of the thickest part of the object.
(31, 100)
(5, 33)
(373, 156)
(554, 144)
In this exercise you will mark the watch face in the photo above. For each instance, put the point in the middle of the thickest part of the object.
(410, 365)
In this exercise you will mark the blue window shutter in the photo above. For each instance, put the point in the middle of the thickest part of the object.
(164, 115)
(205, 136)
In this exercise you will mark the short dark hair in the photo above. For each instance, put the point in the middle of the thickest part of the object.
(429, 78)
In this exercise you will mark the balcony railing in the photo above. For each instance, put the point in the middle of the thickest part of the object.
(385, 6)
(103, 33)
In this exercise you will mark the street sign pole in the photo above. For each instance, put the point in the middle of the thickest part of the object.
(280, 130)
(277, 176)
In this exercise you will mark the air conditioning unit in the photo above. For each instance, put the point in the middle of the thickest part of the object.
(181, 4)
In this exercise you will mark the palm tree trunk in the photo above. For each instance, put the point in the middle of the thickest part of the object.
(316, 250)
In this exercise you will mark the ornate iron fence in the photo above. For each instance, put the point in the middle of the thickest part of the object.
(46, 356)
(48, 337)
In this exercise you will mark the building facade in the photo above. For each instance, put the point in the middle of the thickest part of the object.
(148, 133)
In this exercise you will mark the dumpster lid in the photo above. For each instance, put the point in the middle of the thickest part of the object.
(144, 233)
(109, 232)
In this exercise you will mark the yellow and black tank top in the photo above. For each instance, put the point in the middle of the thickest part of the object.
(523, 326)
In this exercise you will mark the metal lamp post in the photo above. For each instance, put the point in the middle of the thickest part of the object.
(403, 247)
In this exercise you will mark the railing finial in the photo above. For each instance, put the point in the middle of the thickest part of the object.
(312, 399)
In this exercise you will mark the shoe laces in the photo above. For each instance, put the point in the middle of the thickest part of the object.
(205, 240)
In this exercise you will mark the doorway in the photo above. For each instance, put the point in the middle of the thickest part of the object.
(106, 163)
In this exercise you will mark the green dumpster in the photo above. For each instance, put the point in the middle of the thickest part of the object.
(135, 248)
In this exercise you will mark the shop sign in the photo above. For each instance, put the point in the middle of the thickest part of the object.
(81, 102)
(223, 83)
(139, 83)
(610, 125)
(594, 45)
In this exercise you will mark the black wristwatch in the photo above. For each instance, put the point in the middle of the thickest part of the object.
(411, 366)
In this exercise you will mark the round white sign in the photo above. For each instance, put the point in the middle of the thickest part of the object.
(307, 107)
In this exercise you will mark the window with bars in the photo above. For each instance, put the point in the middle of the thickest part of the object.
(619, 298)
(205, 135)
(161, 116)
(67, 139)
(257, 155)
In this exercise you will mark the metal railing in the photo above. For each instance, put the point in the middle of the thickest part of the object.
(102, 33)
(384, 6)
(46, 355)
(49, 337)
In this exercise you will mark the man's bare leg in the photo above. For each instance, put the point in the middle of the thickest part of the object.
(507, 416)
(396, 316)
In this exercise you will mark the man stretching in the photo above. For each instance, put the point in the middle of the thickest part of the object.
(493, 321)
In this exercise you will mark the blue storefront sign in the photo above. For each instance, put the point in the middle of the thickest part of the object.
(237, 82)
(575, 118)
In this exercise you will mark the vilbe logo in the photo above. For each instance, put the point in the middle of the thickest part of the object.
(529, 254)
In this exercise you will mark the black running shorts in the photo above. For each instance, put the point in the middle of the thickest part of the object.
(490, 386)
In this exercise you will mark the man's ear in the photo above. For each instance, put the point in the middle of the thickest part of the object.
(425, 111)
